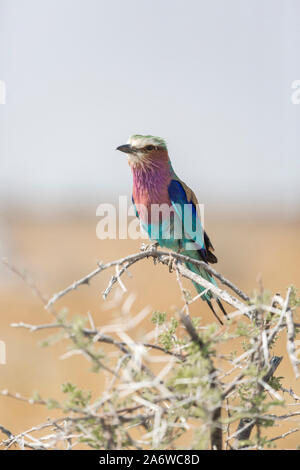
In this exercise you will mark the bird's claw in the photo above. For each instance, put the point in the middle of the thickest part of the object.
(149, 246)
(171, 263)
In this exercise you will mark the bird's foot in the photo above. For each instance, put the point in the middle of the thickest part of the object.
(171, 263)
(149, 246)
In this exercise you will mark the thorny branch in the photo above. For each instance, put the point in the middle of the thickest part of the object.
(172, 375)
(159, 256)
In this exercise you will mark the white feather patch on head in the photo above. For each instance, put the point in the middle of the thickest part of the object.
(141, 141)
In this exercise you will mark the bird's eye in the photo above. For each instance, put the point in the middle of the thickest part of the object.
(149, 148)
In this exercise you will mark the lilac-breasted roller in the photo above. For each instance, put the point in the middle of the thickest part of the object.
(167, 207)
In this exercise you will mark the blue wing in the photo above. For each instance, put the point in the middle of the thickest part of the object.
(186, 210)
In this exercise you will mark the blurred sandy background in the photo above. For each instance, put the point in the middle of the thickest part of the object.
(213, 78)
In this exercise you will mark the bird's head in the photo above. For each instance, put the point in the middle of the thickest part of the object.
(144, 150)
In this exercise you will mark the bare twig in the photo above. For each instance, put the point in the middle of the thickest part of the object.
(291, 341)
(159, 256)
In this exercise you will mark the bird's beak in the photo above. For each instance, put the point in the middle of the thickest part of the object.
(125, 148)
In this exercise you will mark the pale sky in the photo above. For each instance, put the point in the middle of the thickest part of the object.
(214, 78)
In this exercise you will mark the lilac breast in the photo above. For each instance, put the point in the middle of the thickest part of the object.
(150, 186)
